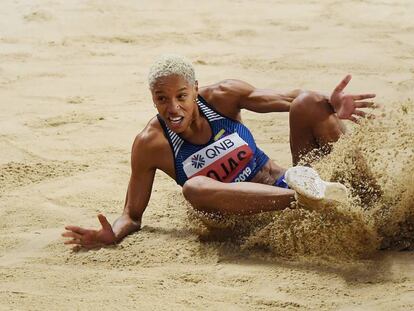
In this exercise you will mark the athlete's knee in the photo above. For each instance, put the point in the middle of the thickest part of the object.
(195, 188)
(307, 100)
(311, 106)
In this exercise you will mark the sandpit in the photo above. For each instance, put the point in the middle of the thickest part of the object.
(74, 95)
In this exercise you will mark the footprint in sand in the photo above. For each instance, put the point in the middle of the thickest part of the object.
(75, 100)
(38, 16)
(200, 62)
(78, 99)
(70, 118)
(406, 85)
(296, 27)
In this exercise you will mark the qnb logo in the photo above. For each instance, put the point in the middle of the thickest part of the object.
(198, 161)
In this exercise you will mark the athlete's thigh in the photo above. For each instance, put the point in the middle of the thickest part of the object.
(328, 130)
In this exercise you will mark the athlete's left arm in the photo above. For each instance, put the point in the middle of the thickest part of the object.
(230, 96)
(245, 96)
(267, 100)
(346, 106)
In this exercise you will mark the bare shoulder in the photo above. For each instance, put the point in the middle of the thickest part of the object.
(148, 144)
(226, 96)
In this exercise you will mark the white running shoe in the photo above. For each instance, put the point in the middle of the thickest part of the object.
(311, 189)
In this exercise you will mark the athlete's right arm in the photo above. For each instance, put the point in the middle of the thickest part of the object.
(139, 188)
(137, 197)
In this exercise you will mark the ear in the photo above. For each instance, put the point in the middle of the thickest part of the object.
(196, 86)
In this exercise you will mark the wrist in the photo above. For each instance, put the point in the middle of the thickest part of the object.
(331, 104)
(324, 99)
(125, 226)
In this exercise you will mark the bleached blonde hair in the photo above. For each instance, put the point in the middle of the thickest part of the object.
(171, 64)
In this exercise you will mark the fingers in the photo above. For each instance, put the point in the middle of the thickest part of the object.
(365, 105)
(76, 229)
(70, 234)
(360, 113)
(78, 245)
(353, 119)
(341, 86)
(88, 238)
(76, 238)
(79, 241)
(362, 96)
(104, 222)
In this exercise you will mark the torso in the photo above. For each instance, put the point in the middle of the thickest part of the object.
(267, 174)
(230, 154)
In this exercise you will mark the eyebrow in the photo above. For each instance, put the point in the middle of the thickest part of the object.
(182, 89)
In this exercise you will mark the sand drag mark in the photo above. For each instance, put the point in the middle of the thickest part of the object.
(15, 174)
(29, 245)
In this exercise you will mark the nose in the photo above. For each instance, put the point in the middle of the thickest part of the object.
(173, 107)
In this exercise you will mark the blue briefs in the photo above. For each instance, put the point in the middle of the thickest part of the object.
(280, 182)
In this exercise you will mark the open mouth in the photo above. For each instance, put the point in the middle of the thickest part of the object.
(175, 121)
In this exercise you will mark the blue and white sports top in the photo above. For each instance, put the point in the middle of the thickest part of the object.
(231, 154)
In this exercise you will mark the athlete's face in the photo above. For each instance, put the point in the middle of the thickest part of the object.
(174, 99)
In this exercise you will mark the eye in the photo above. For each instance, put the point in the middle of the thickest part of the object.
(182, 96)
(161, 98)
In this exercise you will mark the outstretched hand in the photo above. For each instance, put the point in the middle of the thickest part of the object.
(347, 106)
(90, 238)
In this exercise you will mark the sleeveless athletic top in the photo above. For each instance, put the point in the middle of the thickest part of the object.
(231, 154)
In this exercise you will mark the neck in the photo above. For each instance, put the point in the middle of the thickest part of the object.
(199, 132)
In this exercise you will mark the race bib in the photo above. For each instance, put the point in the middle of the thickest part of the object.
(222, 160)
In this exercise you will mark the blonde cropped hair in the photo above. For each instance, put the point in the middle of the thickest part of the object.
(171, 64)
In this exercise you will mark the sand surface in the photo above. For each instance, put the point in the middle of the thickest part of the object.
(74, 95)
